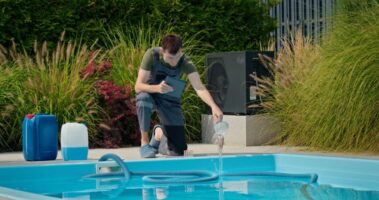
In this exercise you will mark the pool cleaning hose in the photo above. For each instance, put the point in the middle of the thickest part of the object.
(164, 177)
(155, 177)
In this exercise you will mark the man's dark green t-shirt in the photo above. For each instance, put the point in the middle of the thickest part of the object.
(187, 65)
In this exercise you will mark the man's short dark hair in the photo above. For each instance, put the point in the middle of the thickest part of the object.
(172, 43)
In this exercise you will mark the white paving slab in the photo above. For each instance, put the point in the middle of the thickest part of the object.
(132, 153)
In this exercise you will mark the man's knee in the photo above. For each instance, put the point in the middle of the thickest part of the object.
(144, 100)
(144, 96)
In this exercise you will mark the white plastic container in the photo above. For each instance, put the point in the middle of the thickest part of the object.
(74, 141)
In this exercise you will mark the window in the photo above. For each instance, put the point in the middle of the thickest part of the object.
(305, 9)
(313, 9)
(320, 9)
(297, 10)
(282, 9)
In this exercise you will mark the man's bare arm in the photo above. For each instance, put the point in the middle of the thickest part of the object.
(203, 93)
(143, 86)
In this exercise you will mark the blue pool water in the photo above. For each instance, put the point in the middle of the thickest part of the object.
(338, 178)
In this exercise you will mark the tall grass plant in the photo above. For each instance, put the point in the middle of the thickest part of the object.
(48, 82)
(328, 97)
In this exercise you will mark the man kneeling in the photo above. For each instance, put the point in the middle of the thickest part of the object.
(154, 93)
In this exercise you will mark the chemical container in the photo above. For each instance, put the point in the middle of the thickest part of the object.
(40, 137)
(74, 141)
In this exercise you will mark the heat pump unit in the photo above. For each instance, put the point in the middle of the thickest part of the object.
(229, 81)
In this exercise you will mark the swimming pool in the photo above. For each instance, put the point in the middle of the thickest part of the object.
(338, 178)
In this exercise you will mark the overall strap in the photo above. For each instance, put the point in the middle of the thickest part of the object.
(156, 51)
(179, 69)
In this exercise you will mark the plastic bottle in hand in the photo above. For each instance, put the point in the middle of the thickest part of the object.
(220, 128)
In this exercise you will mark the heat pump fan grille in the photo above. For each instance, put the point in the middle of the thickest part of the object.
(218, 83)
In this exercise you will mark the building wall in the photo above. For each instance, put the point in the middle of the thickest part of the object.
(312, 16)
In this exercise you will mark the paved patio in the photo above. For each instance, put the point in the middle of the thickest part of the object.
(132, 153)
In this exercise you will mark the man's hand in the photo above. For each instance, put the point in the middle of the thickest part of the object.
(203, 93)
(216, 114)
(164, 88)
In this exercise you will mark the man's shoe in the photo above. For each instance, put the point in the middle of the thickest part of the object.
(153, 142)
(147, 151)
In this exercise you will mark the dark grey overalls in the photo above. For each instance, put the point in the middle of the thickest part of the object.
(168, 108)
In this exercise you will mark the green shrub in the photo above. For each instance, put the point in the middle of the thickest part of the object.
(226, 24)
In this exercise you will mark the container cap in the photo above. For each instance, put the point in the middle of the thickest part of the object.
(30, 116)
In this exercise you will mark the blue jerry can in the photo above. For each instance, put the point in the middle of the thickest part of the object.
(40, 137)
